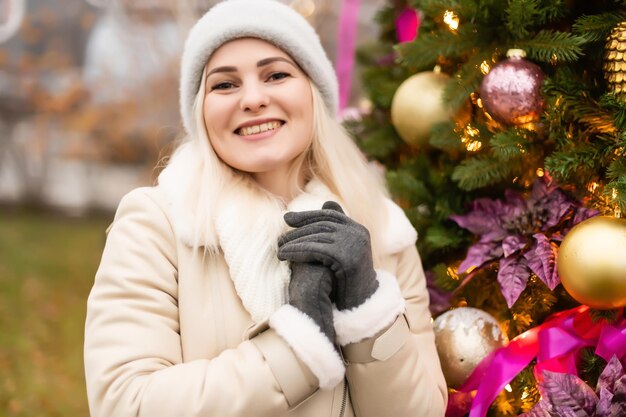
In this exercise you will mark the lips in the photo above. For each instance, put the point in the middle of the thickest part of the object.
(256, 127)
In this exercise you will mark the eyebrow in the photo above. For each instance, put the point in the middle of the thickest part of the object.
(259, 64)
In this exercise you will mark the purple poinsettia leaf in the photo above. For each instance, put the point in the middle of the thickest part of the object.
(618, 405)
(513, 276)
(540, 190)
(582, 214)
(558, 206)
(603, 408)
(483, 217)
(541, 259)
(479, 253)
(568, 394)
(512, 244)
(612, 372)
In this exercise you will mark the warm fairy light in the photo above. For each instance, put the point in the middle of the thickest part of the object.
(471, 131)
(592, 187)
(479, 103)
(451, 19)
(524, 395)
(452, 273)
(614, 193)
(540, 172)
(473, 146)
(470, 144)
(508, 388)
(484, 67)
(554, 59)
(516, 179)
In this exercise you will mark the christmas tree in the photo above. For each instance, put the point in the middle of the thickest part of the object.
(501, 125)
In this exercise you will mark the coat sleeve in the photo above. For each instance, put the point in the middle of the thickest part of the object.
(132, 352)
(397, 372)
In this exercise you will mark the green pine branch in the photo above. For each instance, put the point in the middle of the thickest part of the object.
(510, 143)
(597, 27)
(444, 137)
(480, 171)
(548, 45)
(521, 15)
(428, 47)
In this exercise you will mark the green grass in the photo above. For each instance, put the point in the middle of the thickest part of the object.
(47, 266)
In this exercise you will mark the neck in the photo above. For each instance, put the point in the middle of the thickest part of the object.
(280, 183)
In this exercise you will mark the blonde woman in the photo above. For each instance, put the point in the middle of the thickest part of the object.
(266, 274)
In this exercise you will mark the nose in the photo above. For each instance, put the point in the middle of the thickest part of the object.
(253, 97)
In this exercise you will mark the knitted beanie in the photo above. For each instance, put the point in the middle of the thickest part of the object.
(268, 20)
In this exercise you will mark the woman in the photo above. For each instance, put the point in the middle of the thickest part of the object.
(237, 286)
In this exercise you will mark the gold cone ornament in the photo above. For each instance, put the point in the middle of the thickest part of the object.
(615, 60)
(417, 105)
(465, 336)
(592, 262)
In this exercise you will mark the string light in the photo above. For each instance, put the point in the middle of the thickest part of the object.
(484, 67)
(469, 133)
(452, 273)
(540, 173)
(592, 187)
(508, 388)
(451, 19)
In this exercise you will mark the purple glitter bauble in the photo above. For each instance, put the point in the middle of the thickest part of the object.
(511, 91)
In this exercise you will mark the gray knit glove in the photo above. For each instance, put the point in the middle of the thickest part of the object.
(330, 237)
(309, 292)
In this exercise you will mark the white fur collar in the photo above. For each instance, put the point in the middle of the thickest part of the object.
(248, 237)
(399, 233)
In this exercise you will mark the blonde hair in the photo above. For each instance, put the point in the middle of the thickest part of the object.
(332, 157)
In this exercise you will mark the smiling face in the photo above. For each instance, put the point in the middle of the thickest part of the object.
(258, 107)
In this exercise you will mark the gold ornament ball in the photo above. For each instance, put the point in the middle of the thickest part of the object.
(417, 106)
(615, 60)
(464, 337)
(592, 262)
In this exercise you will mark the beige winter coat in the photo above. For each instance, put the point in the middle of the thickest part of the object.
(167, 335)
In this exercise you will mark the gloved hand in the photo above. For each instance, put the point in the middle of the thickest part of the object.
(309, 292)
(330, 237)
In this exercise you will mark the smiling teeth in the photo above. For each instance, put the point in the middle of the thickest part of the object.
(263, 127)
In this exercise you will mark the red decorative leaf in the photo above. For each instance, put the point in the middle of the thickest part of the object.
(513, 277)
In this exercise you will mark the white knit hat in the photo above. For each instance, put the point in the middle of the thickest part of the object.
(268, 20)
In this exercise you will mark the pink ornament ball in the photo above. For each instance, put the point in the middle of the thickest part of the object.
(511, 91)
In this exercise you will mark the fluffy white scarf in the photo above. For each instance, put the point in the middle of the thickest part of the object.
(248, 238)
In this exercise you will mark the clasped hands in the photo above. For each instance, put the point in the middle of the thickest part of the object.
(331, 261)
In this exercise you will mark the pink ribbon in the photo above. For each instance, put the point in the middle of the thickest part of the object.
(407, 25)
(346, 45)
(555, 344)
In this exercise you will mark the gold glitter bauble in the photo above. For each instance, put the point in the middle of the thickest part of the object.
(615, 60)
(592, 262)
(464, 337)
(417, 106)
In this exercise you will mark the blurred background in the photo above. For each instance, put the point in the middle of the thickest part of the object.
(88, 106)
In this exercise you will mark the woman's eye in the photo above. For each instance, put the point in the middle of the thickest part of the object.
(278, 76)
(223, 86)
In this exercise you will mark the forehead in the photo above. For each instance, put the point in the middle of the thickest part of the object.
(244, 50)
